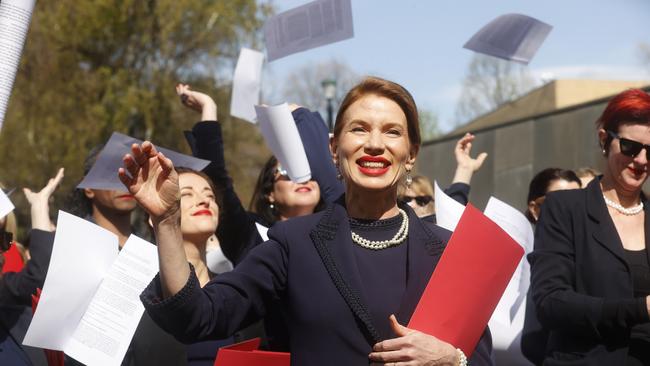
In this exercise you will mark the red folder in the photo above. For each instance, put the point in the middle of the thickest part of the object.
(13, 260)
(246, 353)
(468, 282)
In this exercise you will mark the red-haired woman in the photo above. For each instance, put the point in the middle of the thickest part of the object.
(339, 274)
(590, 270)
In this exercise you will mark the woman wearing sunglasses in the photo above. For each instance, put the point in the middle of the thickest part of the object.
(590, 270)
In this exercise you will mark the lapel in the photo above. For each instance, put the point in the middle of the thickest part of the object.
(602, 226)
(646, 225)
(424, 251)
(333, 242)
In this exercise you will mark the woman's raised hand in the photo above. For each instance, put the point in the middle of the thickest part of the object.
(152, 180)
(39, 203)
(197, 101)
(413, 348)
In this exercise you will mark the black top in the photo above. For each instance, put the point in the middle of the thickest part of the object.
(383, 272)
(581, 283)
(640, 269)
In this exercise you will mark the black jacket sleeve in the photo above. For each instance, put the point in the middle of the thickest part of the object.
(459, 192)
(236, 232)
(17, 287)
(229, 302)
(315, 139)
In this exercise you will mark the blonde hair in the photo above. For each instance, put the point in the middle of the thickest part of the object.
(421, 185)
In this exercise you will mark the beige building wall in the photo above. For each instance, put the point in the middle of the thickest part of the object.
(564, 138)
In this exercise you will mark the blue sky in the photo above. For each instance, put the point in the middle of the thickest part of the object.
(419, 43)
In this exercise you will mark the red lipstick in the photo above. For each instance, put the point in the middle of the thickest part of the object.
(202, 213)
(373, 170)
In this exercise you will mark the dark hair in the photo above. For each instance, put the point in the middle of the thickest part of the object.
(630, 106)
(542, 181)
(77, 203)
(260, 203)
(387, 89)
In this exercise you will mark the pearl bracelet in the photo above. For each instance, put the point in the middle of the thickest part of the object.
(462, 359)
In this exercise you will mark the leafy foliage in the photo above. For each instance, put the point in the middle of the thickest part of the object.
(93, 67)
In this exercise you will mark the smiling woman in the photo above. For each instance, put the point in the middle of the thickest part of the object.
(589, 269)
(346, 277)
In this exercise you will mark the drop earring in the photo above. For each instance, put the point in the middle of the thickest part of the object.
(409, 179)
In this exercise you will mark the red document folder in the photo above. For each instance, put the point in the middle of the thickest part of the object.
(246, 353)
(468, 282)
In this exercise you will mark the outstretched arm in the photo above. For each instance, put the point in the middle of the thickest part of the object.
(237, 231)
(197, 101)
(153, 182)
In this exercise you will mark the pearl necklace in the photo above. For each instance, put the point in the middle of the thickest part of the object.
(625, 211)
(399, 237)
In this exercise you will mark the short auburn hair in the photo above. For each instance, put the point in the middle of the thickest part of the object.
(632, 105)
(372, 85)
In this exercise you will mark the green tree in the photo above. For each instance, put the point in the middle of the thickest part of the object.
(429, 124)
(93, 67)
(303, 86)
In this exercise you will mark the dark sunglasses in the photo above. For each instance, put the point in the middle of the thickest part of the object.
(281, 174)
(420, 200)
(629, 147)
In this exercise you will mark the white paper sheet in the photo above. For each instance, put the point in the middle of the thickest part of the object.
(106, 329)
(308, 26)
(517, 226)
(5, 205)
(15, 16)
(448, 210)
(263, 230)
(81, 256)
(507, 321)
(514, 37)
(246, 84)
(281, 135)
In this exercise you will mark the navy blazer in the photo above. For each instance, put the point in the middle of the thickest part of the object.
(581, 283)
(308, 265)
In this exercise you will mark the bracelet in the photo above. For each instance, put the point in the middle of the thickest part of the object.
(462, 359)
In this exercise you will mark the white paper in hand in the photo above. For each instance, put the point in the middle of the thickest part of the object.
(62, 303)
(107, 327)
(448, 210)
(513, 37)
(308, 26)
(246, 84)
(507, 321)
(5, 205)
(281, 135)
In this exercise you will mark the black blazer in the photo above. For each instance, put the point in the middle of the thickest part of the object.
(580, 281)
(308, 265)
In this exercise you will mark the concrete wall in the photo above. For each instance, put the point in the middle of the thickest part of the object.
(517, 150)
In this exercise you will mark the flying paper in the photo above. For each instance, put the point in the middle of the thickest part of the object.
(513, 37)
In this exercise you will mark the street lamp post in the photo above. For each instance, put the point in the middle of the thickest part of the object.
(329, 90)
